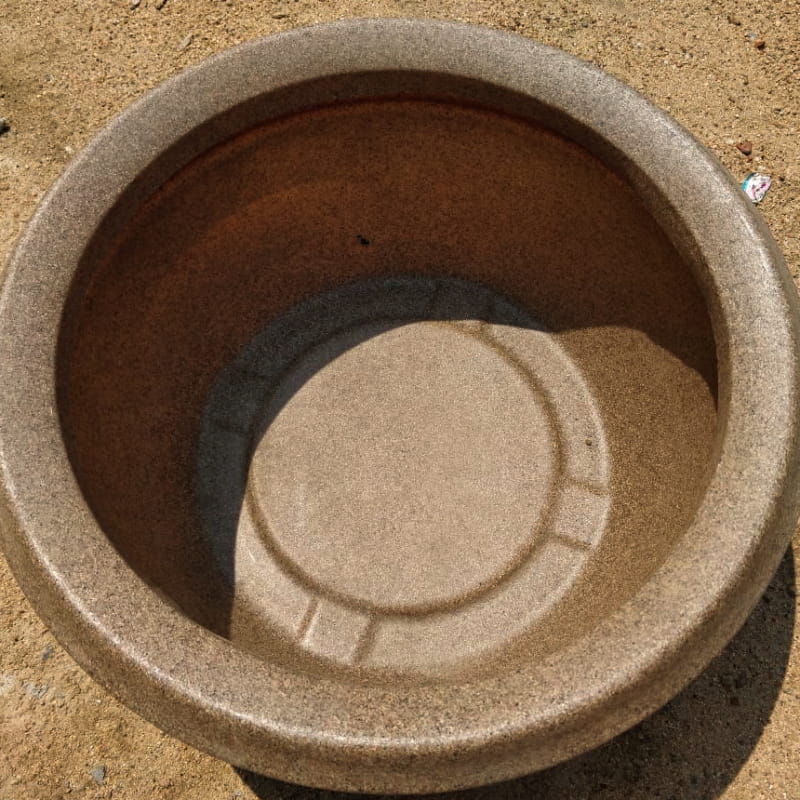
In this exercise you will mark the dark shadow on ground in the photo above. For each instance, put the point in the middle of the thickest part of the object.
(690, 750)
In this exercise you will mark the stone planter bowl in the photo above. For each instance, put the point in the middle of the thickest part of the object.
(396, 406)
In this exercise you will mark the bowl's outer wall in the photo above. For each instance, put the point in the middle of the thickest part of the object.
(425, 738)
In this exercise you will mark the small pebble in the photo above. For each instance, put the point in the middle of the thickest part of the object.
(7, 683)
(185, 42)
(759, 44)
(99, 774)
(745, 148)
(135, 3)
(48, 651)
(5, 126)
(36, 690)
(280, 15)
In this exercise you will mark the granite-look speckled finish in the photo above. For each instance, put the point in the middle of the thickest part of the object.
(379, 411)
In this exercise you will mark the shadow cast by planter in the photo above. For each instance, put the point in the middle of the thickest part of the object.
(692, 748)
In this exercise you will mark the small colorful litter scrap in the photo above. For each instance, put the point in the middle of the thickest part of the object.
(756, 185)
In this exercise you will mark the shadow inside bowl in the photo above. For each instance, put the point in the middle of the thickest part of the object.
(391, 390)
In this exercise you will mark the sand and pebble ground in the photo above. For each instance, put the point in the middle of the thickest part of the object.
(729, 71)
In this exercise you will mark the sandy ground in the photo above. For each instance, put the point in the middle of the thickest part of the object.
(729, 71)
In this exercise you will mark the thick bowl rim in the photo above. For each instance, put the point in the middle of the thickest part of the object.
(432, 737)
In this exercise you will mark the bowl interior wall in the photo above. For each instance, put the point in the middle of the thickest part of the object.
(428, 195)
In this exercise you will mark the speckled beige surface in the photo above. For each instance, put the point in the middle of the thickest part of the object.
(716, 729)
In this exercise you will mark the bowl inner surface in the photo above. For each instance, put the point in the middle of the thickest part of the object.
(396, 389)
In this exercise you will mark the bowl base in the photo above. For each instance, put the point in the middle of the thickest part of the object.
(428, 474)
